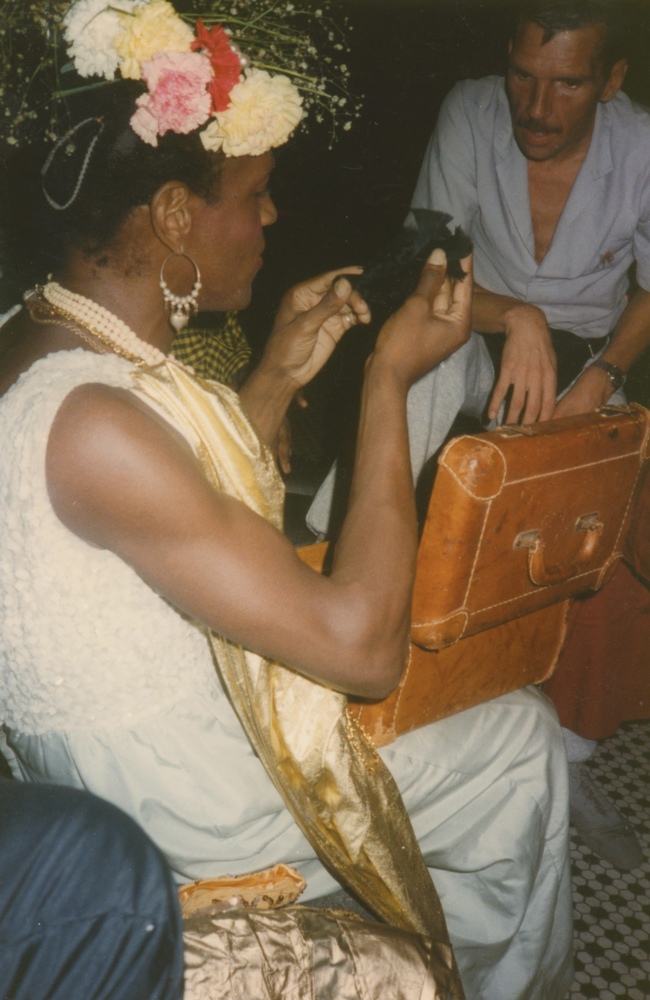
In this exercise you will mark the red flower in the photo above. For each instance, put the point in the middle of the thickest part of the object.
(226, 66)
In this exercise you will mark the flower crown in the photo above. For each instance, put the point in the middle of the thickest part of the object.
(195, 74)
(193, 78)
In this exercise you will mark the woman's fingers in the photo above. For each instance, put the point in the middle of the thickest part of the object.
(360, 307)
(334, 300)
(341, 304)
(354, 308)
(307, 293)
(462, 290)
(326, 279)
(433, 275)
(467, 264)
(442, 300)
(445, 295)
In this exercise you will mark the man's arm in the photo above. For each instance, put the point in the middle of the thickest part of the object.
(629, 340)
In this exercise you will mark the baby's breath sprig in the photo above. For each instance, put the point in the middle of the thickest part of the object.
(309, 44)
(28, 64)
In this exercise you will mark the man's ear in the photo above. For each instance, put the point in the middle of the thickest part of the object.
(614, 81)
(171, 218)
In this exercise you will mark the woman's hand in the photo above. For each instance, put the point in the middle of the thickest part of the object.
(312, 318)
(432, 324)
(283, 443)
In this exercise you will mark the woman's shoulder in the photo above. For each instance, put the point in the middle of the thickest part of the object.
(30, 407)
(33, 399)
(75, 367)
(110, 458)
(49, 379)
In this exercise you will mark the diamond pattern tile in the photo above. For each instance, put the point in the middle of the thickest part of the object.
(612, 908)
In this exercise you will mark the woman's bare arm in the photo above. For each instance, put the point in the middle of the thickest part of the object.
(120, 478)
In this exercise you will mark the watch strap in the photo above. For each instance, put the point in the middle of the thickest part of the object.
(615, 374)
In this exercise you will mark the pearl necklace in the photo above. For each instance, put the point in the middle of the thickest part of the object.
(47, 302)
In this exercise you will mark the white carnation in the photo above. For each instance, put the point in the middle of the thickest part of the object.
(91, 27)
(263, 112)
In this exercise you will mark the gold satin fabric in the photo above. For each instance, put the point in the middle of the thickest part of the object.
(302, 953)
(331, 778)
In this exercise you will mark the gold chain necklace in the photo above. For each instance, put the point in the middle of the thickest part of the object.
(93, 324)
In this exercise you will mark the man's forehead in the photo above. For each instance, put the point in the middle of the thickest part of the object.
(568, 53)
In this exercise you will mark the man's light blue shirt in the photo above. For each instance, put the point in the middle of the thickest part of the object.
(474, 170)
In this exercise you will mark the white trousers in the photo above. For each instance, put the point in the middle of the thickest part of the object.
(486, 790)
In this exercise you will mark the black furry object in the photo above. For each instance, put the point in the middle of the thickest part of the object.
(393, 275)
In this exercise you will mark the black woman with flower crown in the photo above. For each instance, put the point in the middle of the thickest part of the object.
(163, 645)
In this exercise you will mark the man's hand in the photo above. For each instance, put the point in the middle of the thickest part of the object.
(590, 391)
(528, 365)
(312, 318)
(628, 342)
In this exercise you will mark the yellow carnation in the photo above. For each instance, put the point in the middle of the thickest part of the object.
(262, 114)
(154, 28)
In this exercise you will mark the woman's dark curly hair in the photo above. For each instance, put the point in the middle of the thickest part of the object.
(122, 172)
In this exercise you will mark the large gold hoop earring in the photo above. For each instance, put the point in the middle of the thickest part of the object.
(181, 307)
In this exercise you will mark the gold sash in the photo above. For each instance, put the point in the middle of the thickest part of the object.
(331, 778)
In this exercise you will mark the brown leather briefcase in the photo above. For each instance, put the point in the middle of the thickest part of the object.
(520, 520)
(523, 517)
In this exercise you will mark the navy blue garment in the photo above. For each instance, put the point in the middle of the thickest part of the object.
(88, 906)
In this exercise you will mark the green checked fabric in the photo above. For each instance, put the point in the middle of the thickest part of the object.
(220, 352)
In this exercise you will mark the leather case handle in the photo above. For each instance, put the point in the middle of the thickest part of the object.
(542, 575)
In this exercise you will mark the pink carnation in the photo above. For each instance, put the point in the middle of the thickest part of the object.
(178, 98)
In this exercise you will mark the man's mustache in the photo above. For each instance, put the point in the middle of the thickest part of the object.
(530, 125)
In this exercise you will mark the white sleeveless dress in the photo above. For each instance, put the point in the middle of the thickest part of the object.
(105, 686)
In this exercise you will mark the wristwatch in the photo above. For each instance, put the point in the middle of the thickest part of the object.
(615, 374)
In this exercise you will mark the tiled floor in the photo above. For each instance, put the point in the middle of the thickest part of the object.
(611, 908)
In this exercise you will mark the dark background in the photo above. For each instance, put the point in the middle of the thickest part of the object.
(336, 206)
